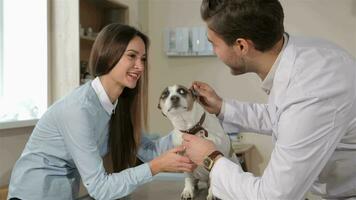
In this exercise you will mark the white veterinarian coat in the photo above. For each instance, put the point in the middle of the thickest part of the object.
(311, 115)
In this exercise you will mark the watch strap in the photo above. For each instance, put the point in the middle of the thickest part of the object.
(214, 154)
(211, 159)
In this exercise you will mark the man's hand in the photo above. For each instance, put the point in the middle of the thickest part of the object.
(207, 97)
(197, 148)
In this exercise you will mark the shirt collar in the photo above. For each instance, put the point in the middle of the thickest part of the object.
(268, 81)
(103, 97)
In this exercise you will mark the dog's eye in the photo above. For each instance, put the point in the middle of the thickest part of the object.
(164, 95)
(182, 91)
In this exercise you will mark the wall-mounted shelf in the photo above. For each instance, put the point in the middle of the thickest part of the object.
(93, 16)
(90, 38)
(189, 54)
(187, 41)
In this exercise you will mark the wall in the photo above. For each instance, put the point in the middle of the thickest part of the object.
(12, 142)
(64, 47)
(335, 20)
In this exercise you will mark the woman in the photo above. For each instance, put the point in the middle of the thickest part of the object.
(71, 138)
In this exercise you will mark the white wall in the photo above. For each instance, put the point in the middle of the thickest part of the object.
(12, 142)
(64, 47)
(334, 20)
(328, 19)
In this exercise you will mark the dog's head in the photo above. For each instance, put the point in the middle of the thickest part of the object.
(175, 100)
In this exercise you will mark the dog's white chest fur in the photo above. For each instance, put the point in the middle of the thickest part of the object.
(185, 121)
(213, 127)
(178, 104)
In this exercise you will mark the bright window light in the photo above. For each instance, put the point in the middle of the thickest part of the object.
(24, 60)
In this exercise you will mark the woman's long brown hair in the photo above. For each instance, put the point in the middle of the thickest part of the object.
(130, 116)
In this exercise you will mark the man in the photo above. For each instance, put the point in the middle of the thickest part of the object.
(310, 114)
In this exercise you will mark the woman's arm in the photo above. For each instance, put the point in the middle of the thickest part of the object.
(78, 131)
(150, 149)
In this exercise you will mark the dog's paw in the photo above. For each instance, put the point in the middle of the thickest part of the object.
(188, 193)
(210, 197)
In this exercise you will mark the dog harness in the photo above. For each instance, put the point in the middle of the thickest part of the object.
(198, 128)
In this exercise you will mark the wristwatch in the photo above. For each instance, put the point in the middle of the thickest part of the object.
(209, 161)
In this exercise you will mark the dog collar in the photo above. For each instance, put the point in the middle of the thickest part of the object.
(198, 127)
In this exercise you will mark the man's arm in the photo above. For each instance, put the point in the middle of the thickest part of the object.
(308, 133)
(237, 116)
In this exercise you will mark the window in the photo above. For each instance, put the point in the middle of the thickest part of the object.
(1, 36)
(23, 62)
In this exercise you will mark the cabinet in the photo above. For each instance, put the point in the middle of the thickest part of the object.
(3, 192)
(93, 16)
(243, 151)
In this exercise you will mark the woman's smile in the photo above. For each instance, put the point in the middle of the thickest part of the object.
(134, 75)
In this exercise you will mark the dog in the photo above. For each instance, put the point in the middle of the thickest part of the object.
(179, 105)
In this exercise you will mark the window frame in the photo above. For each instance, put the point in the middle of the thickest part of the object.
(1, 48)
(26, 122)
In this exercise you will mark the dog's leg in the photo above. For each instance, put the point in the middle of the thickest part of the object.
(210, 192)
(189, 187)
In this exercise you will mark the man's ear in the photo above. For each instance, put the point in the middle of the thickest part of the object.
(241, 46)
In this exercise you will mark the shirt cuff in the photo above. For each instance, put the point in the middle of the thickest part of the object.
(221, 164)
(143, 173)
(222, 111)
(218, 175)
(227, 110)
(217, 165)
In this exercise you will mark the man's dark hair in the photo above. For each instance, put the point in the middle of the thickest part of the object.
(261, 21)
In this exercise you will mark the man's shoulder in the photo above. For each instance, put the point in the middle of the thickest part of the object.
(304, 43)
(317, 64)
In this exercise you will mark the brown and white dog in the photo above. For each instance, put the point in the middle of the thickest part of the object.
(178, 104)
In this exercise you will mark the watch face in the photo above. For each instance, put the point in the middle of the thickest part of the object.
(207, 163)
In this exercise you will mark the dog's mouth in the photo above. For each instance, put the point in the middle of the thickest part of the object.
(176, 107)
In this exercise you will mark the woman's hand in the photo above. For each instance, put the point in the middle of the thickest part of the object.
(207, 97)
(172, 161)
(197, 148)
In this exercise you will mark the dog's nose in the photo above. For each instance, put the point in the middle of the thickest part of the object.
(174, 99)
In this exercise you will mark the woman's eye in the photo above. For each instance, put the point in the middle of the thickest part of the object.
(132, 55)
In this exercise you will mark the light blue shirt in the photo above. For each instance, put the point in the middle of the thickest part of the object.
(68, 143)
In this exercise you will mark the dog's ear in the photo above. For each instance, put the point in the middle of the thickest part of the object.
(193, 93)
(159, 107)
(164, 114)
